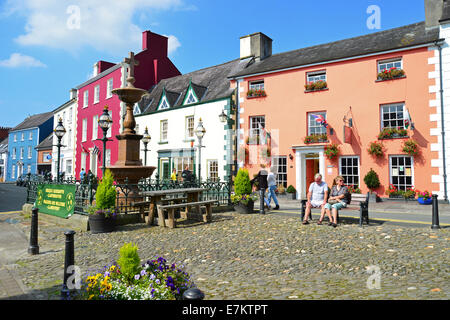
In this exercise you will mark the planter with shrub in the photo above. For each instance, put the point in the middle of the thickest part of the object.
(242, 197)
(372, 182)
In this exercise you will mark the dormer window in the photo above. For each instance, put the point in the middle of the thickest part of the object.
(136, 109)
(191, 99)
(163, 104)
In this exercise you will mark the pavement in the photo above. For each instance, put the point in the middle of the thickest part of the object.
(401, 212)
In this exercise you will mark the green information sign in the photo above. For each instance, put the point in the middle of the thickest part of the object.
(56, 199)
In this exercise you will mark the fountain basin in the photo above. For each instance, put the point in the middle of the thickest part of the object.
(129, 95)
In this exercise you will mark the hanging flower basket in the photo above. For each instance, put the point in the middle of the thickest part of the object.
(376, 149)
(411, 147)
(331, 151)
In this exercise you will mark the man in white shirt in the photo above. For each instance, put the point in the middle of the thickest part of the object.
(317, 196)
(272, 185)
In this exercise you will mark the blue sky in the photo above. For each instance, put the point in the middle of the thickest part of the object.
(44, 54)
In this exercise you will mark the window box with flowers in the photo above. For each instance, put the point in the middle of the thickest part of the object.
(391, 74)
(376, 149)
(316, 86)
(256, 93)
(392, 133)
(331, 151)
(410, 147)
(316, 138)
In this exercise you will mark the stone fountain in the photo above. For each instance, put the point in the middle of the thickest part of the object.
(128, 165)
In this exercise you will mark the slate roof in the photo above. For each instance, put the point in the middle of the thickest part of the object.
(47, 143)
(4, 145)
(402, 37)
(445, 11)
(33, 121)
(208, 83)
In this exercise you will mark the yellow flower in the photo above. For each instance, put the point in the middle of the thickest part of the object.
(109, 287)
(89, 285)
(90, 297)
(113, 267)
(102, 290)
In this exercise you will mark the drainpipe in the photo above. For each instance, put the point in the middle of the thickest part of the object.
(238, 124)
(441, 91)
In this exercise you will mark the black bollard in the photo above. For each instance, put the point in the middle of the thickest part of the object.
(193, 294)
(261, 201)
(34, 247)
(435, 216)
(69, 260)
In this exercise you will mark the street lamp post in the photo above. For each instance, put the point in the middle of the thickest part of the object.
(59, 132)
(105, 122)
(200, 132)
(146, 139)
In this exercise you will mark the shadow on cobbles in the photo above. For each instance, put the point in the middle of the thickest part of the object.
(50, 293)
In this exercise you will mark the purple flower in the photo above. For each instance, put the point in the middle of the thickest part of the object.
(136, 277)
(157, 281)
(143, 273)
(152, 277)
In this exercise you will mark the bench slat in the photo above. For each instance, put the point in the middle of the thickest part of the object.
(187, 204)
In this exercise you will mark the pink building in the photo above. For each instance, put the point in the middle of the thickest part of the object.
(94, 94)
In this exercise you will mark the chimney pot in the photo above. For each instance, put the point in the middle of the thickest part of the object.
(433, 13)
(257, 45)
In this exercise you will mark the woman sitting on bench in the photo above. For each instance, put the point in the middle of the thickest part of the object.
(339, 198)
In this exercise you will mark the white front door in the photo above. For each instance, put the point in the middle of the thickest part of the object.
(306, 157)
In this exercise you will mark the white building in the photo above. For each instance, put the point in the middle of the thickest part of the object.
(68, 114)
(171, 112)
(3, 158)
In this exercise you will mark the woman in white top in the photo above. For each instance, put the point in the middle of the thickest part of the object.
(272, 185)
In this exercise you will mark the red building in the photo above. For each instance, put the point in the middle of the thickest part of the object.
(94, 94)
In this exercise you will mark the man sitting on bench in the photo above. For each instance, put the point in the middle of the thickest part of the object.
(317, 196)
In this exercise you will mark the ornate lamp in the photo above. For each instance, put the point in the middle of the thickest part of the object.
(146, 139)
(105, 122)
(59, 131)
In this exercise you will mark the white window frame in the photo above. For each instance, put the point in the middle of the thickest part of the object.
(30, 136)
(69, 166)
(85, 98)
(256, 85)
(276, 165)
(97, 94)
(15, 137)
(164, 104)
(344, 175)
(109, 87)
(14, 153)
(30, 153)
(315, 76)
(13, 173)
(316, 125)
(109, 132)
(163, 132)
(95, 127)
(84, 130)
(108, 157)
(390, 170)
(209, 162)
(179, 166)
(254, 128)
(22, 151)
(22, 136)
(84, 160)
(29, 168)
(385, 64)
(396, 119)
(188, 130)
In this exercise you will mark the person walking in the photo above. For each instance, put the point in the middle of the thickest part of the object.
(316, 197)
(272, 186)
(339, 198)
(187, 177)
(82, 174)
(173, 176)
(261, 177)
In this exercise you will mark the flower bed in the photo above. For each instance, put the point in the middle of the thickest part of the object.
(128, 280)
(392, 73)
(389, 133)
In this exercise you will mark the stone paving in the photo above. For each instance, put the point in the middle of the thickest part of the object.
(264, 257)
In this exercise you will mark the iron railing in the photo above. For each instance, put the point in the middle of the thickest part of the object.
(128, 194)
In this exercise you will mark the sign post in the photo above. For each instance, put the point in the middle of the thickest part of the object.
(56, 199)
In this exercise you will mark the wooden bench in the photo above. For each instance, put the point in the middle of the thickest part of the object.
(170, 222)
(141, 205)
(358, 202)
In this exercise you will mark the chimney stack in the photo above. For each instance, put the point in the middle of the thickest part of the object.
(257, 45)
(73, 94)
(433, 13)
(156, 43)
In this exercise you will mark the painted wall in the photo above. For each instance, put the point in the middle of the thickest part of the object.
(214, 140)
(353, 92)
(69, 116)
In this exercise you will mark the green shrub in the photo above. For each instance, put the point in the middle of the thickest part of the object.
(242, 183)
(290, 189)
(129, 261)
(105, 196)
(371, 180)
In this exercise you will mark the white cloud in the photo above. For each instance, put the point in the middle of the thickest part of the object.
(173, 43)
(17, 60)
(106, 26)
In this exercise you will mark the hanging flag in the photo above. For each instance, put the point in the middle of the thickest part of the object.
(320, 119)
(407, 119)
